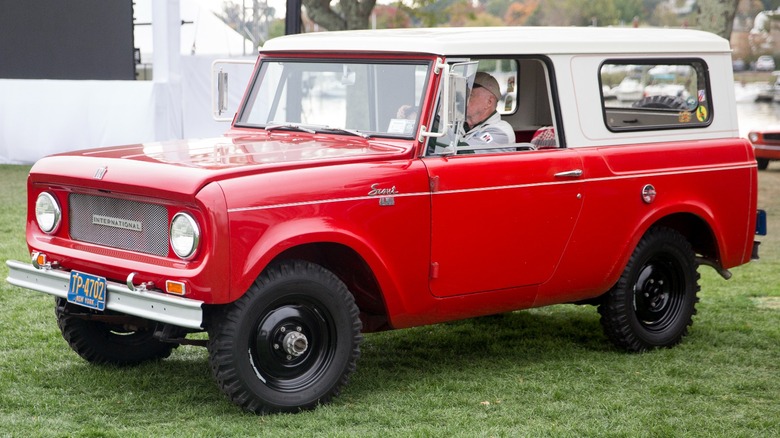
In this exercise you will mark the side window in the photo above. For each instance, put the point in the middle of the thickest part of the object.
(524, 121)
(641, 95)
(505, 71)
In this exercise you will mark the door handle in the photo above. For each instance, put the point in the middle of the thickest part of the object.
(576, 173)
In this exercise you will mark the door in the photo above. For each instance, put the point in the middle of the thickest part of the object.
(502, 220)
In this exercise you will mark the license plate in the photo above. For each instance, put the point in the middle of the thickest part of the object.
(87, 290)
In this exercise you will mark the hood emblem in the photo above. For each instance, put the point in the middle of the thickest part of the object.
(100, 172)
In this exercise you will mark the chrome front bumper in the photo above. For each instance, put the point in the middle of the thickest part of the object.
(156, 306)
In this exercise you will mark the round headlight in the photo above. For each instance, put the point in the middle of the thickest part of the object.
(753, 137)
(47, 213)
(185, 235)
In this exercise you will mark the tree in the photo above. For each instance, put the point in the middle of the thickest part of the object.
(517, 14)
(628, 9)
(750, 8)
(599, 13)
(343, 15)
(499, 8)
(575, 13)
(483, 19)
(429, 13)
(391, 17)
(717, 16)
(460, 13)
(664, 16)
(771, 5)
(252, 22)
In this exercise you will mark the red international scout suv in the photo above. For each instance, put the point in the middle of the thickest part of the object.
(349, 196)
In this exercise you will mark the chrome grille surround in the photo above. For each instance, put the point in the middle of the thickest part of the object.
(152, 219)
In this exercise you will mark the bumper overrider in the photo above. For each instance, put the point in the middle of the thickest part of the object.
(155, 306)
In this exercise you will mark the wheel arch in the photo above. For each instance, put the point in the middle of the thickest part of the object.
(693, 224)
(353, 260)
(698, 231)
(352, 269)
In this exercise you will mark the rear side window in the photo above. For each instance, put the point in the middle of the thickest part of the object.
(639, 95)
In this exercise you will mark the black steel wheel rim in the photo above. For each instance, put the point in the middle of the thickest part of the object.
(659, 293)
(274, 364)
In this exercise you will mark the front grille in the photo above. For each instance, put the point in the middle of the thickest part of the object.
(772, 136)
(119, 223)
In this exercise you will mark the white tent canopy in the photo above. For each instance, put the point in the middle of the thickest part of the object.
(202, 33)
(42, 117)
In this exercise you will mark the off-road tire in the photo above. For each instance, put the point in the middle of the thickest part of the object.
(248, 345)
(653, 303)
(762, 163)
(103, 343)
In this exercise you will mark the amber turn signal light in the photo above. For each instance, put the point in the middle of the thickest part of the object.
(175, 287)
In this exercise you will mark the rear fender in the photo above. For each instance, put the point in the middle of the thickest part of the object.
(693, 220)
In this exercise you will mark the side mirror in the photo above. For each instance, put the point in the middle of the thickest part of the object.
(222, 110)
(444, 102)
(457, 104)
(222, 90)
(452, 100)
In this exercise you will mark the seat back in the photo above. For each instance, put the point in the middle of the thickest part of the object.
(544, 138)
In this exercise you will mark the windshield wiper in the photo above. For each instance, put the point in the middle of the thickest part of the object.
(289, 125)
(347, 130)
(312, 129)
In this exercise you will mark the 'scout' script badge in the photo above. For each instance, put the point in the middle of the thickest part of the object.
(385, 194)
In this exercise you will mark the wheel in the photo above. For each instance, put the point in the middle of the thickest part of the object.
(661, 102)
(104, 343)
(290, 343)
(653, 302)
(763, 163)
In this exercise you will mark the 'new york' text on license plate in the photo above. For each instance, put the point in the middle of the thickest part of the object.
(87, 290)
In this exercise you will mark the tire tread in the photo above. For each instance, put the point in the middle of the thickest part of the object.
(224, 331)
(614, 309)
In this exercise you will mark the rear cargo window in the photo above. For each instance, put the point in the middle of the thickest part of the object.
(639, 95)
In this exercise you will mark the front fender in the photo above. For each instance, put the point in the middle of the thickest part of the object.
(290, 234)
(401, 275)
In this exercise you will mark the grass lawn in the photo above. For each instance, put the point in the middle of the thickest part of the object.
(541, 372)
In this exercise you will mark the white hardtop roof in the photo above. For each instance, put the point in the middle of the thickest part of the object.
(506, 40)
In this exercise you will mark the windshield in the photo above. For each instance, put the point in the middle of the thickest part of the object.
(346, 96)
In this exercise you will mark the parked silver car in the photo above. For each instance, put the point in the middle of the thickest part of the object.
(765, 63)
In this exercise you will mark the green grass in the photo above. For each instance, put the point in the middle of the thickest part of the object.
(542, 372)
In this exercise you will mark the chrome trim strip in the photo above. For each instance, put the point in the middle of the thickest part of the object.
(491, 188)
(674, 172)
(156, 306)
(324, 201)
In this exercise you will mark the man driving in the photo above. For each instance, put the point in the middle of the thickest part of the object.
(483, 126)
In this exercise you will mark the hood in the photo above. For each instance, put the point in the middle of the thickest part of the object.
(185, 166)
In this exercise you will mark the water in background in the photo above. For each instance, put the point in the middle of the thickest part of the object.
(757, 115)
